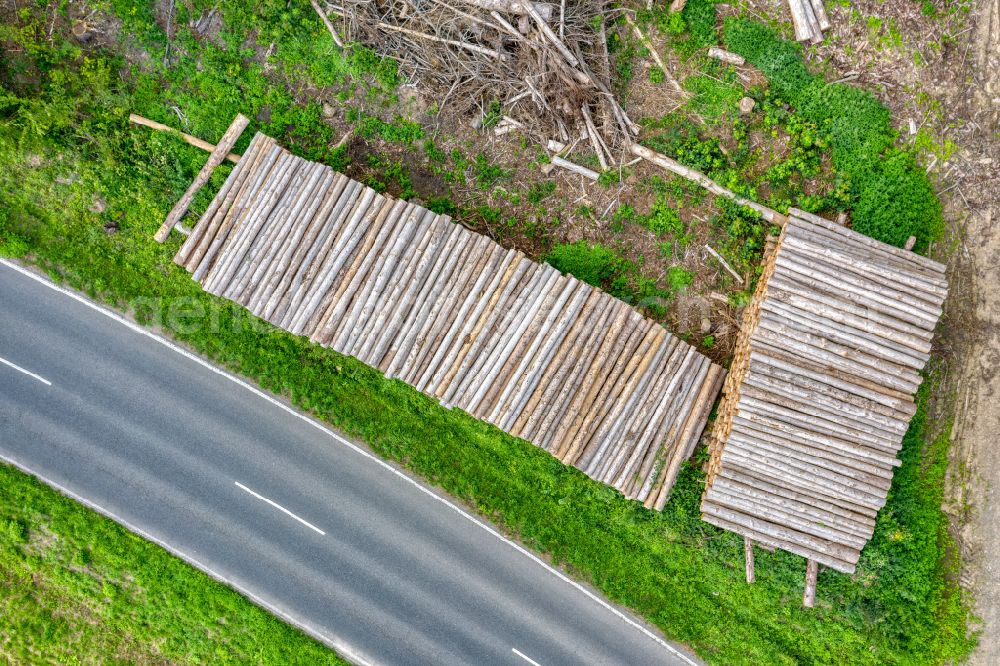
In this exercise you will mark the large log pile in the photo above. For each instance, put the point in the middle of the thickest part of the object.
(541, 355)
(820, 392)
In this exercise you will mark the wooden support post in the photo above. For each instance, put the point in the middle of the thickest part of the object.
(215, 159)
(748, 554)
(809, 598)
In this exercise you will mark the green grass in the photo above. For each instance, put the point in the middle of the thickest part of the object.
(64, 140)
(77, 588)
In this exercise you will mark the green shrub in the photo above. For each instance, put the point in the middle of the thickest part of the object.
(699, 19)
(891, 196)
(595, 264)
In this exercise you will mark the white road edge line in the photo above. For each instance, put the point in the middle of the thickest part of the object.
(280, 508)
(525, 657)
(316, 424)
(27, 372)
(342, 648)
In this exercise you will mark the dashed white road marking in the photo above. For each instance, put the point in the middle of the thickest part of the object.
(27, 372)
(357, 449)
(525, 657)
(280, 508)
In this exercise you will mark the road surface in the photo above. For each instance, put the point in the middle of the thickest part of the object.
(305, 523)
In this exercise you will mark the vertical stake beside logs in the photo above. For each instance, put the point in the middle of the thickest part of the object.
(222, 149)
(809, 598)
(748, 554)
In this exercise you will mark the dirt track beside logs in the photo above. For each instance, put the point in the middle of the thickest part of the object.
(975, 470)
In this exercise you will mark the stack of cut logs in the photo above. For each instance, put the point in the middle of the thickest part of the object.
(809, 19)
(541, 355)
(820, 392)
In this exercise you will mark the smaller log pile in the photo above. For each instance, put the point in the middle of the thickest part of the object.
(809, 19)
(539, 354)
(820, 392)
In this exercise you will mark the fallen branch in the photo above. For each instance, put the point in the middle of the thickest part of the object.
(595, 139)
(530, 10)
(575, 168)
(193, 140)
(656, 56)
(475, 48)
(676, 167)
(725, 264)
(344, 139)
(329, 25)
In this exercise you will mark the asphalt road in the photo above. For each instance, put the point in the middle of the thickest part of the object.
(300, 520)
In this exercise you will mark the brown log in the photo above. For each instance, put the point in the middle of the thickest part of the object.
(383, 260)
(399, 276)
(834, 550)
(398, 322)
(771, 540)
(534, 360)
(463, 255)
(633, 385)
(308, 242)
(404, 349)
(541, 423)
(748, 559)
(609, 363)
(325, 247)
(561, 440)
(861, 239)
(880, 253)
(922, 291)
(326, 323)
(204, 258)
(244, 234)
(347, 254)
(233, 193)
(812, 347)
(803, 525)
(844, 313)
(807, 500)
(857, 291)
(460, 308)
(726, 56)
(510, 282)
(514, 323)
(546, 360)
(791, 502)
(220, 152)
(800, 20)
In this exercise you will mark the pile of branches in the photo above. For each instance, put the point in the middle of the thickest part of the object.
(537, 67)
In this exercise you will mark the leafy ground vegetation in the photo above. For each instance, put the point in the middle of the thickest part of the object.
(81, 193)
(77, 588)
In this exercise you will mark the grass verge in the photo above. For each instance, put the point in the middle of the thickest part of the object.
(77, 588)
